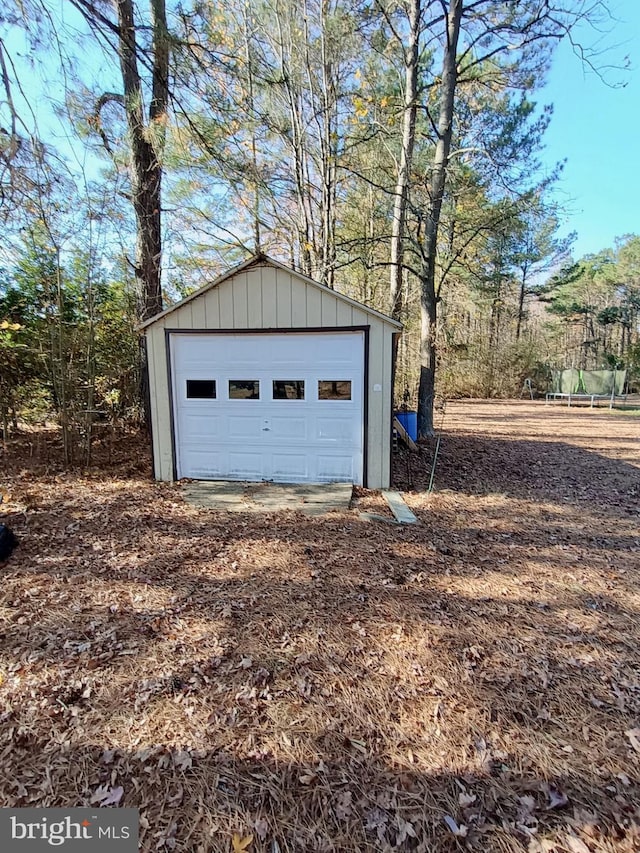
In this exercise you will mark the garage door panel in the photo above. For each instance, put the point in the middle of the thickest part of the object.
(339, 430)
(334, 468)
(290, 467)
(202, 463)
(244, 426)
(246, 464)
(309, 439)
(203, 427)
(291, 429)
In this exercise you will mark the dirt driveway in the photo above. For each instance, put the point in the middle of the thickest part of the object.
(285, 683)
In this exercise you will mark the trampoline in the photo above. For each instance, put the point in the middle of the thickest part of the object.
(582, 386)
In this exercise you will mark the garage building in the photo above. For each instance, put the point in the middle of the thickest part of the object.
(265, 374)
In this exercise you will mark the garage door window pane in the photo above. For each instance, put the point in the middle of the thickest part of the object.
(244, 389)
(288, 389)
(331, 389)
(201, 389)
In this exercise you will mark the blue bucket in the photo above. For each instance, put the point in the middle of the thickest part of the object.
(409, 421)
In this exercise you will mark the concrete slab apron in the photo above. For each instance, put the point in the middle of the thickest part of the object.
(268, 497)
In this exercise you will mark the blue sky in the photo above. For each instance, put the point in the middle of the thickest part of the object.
(597, 129)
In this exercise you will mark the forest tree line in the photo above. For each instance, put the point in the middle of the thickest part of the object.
(388, 148)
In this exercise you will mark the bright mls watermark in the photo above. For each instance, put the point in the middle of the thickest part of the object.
(73, 830)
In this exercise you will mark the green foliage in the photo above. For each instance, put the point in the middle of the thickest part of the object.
(17, 366)
(67, 340)
(597, 298)
(633, 366)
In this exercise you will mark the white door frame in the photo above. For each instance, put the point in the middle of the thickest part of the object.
(173, 392)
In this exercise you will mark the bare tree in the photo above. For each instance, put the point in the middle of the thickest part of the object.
(428, 303)
(504, 44)
(147, 130)
(411, 56)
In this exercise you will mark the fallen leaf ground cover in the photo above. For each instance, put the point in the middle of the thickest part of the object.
(284, 683)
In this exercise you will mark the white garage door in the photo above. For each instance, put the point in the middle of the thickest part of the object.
(284, 407)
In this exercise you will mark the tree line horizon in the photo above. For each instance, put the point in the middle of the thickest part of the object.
(390, 150)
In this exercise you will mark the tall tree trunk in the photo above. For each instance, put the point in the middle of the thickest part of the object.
(521, 295)
(284, 48)
(428, 297)
(147, 142)
(62, 366)
(329, 182)
(411, 58)
(305, 220)
(250, 108)
(329, 135)
(322, 92)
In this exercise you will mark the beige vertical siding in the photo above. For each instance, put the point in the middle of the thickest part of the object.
(265, 297)
(240, 301)
(284, 308)
(299, 306)
(375, 425)
(314, 306)
(198, 314)
(361, 318)
(269, 296)
(160, 409)
(212, 306)
(387, 375)
(329, 309)
(344, 314)
(254, 301)
(226, 305)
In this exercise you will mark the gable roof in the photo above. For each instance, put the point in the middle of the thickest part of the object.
(265, 260)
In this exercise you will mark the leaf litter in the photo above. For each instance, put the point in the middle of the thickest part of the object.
(283, 683)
